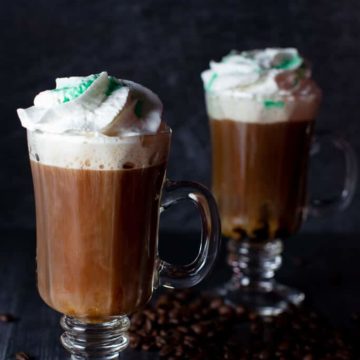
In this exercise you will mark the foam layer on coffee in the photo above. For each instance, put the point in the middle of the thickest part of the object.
(269, 85)
(94, 104)
(99, 152)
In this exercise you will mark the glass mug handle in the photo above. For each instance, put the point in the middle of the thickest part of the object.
(182, 276)
(320, 207)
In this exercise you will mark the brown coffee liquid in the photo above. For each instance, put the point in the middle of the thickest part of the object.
(259, 176)
(96, 238)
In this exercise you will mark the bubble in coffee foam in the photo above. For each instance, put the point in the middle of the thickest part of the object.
(95, 122)
(266, 85)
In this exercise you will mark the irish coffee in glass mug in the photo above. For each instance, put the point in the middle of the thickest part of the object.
(262, 106)
(98, 151)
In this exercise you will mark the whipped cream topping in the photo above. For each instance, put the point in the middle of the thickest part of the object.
(266, 85)
(255, 72)
(96, 122)
(97, 104)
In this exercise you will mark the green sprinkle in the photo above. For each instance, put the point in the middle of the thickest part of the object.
(72, 92)
(271, 104)
(113, 85)
(211, 81)
(69, 93)
(289, 63)
(138, 109)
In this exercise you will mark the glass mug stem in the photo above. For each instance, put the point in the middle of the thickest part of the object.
(253, 283)
(254, 265)
(105, 340)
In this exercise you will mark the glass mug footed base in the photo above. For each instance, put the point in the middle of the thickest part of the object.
(98, 341)
(252, 283)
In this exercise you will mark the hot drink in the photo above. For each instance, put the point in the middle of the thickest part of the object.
(259, 176)
(262, 107)
(97, 257)
(97, 209)
(98, 150)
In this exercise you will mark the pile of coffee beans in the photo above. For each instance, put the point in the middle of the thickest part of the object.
(189, 325)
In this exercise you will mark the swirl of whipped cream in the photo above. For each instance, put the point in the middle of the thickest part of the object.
(96, 104)
(258, 72)
(264, 86)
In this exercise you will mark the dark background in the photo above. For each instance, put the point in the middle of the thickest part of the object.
(164, 45)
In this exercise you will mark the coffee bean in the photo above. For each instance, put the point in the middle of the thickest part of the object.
(179, 351)
(185, 315)
(174, 320)
(263, 355)
(308, 357)
(163, 300)
(190, 341)
(226, 311)
(150, 314)
(176, 304)
(183, 329)
(162, 310)
(253, 316)
(147, 346)
(166, 351)
(142, 333)
(194, 326)
(216, 303)
(162, 319)
(137, 320)
(22, 356)
(148, 325)
(241, 233)
(240, 311)
(134, 341)
(206, 313)
(198, 329)
(255, 328)
(159, 341)
(183, 295)
(6, 318)
(284, 345)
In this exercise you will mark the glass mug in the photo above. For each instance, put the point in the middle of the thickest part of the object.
(97, 234)
(259, 179)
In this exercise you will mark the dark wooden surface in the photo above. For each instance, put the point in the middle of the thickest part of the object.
(326, 267)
